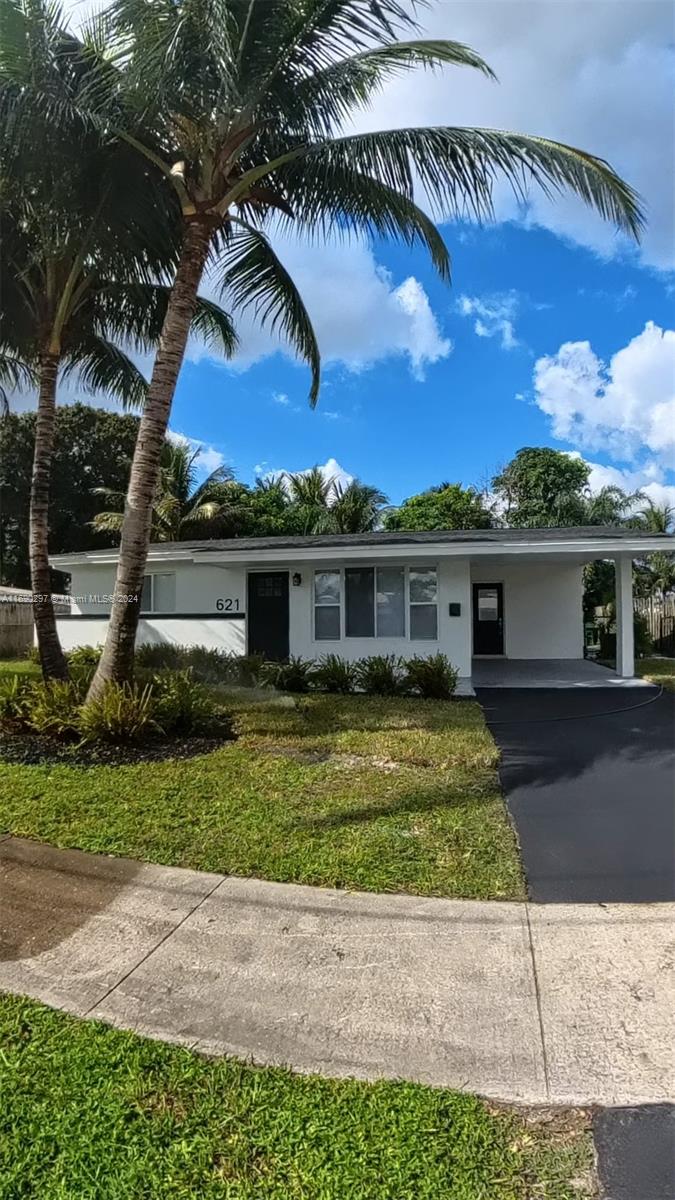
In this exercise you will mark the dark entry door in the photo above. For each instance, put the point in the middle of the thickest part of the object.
(268, 614)
(488, 618)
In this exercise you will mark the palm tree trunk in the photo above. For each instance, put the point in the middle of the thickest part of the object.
(117, 660)
(52, 658)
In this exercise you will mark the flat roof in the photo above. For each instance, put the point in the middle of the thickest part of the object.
(604, 540)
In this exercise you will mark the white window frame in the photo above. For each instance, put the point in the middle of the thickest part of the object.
(428, 568)
(408, 604)
(151, 576)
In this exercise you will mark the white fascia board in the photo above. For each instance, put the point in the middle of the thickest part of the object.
(432, 550)
(586, 549)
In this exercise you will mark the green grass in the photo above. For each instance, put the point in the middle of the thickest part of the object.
(89, 1113)
(18, 666)
(659, 670)
(381, 795)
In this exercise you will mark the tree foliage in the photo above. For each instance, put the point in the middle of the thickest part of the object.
(447, 506)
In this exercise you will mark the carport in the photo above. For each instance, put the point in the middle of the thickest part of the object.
(547, 673)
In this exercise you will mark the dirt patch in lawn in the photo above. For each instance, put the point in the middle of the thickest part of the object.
(36, 750)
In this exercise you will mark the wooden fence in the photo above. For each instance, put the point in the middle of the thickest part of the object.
(16, 620)
(660, 617)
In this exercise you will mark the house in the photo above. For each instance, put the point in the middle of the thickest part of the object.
(496, 596)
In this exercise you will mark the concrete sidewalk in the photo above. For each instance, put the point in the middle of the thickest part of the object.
(562, 1004)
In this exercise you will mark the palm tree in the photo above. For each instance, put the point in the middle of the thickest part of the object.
(242, 107)
(608, 506)
(182, 507)
(79, 255)
(355, 508)
(656, 518)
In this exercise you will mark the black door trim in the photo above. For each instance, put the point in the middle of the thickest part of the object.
(488, 636)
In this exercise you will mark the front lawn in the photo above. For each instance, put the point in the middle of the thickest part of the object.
(658, 670)
(353, 791)
(89, 1113)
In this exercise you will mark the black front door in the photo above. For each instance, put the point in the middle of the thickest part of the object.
(268, 614)
(488, 618)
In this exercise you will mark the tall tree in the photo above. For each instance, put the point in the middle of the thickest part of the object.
(542, 487)
(242, 107)
(447, 506)
(86, 235)
(183, 507)
(356, 507)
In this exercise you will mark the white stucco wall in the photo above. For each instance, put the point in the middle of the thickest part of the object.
(454, 633)
(542, 607)
(199, 591)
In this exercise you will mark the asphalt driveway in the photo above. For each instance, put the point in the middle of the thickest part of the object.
(589, 779)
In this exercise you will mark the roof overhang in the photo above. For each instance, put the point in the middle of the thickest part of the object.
(579, 549)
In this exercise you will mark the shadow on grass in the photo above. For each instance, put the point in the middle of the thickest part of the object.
(412, 802)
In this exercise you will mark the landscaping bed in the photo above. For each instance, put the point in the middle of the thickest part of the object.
(362, 792)
(90, 1113)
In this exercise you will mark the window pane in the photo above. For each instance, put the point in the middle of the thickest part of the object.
(327, 622)
(423, 586)
(390, 602)
(327, 587)
(488, 604)
(423, 621)
(146, 594)
(360, 601)
(164, 593)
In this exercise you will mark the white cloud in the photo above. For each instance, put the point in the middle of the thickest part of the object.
(359, 314)
(649, 479)
(331, 470)
(594, 74)
(626, 406)
(281, 398)
(494, 316)
(209, 458)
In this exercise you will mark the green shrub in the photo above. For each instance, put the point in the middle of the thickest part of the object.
(380, 674)
(33, 655)
(207, 665)
(180, 704)
(246, 669)
(13, 703)
(119, 714)
(335, 674)
(52, 708)
(293, 675)
(433, 677)
(84, 656)
(161, 656)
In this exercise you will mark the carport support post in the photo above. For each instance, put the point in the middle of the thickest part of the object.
(625, 649)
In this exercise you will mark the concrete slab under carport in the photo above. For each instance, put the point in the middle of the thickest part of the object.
(547, 673)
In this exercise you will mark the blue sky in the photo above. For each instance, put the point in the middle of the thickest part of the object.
(556, 331)
(518, 294)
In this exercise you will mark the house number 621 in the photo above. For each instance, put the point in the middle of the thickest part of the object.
(227, 605)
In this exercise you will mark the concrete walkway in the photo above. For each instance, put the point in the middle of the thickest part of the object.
(563, 1004)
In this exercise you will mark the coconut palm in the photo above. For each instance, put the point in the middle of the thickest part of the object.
(656, 518)
(242, 108)
(79, 255)
(183, 507)
(608, 506)
(355, 508)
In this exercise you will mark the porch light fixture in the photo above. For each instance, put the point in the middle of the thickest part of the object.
(297, 579)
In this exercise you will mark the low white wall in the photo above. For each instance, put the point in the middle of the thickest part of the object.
(543, 615)
(454, 633)
(213, 632)
(199, 589)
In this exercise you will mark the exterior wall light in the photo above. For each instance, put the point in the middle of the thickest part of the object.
(297, 579)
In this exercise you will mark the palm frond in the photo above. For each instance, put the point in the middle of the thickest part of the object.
(103, 367)
(457, 168)
(255, 277)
